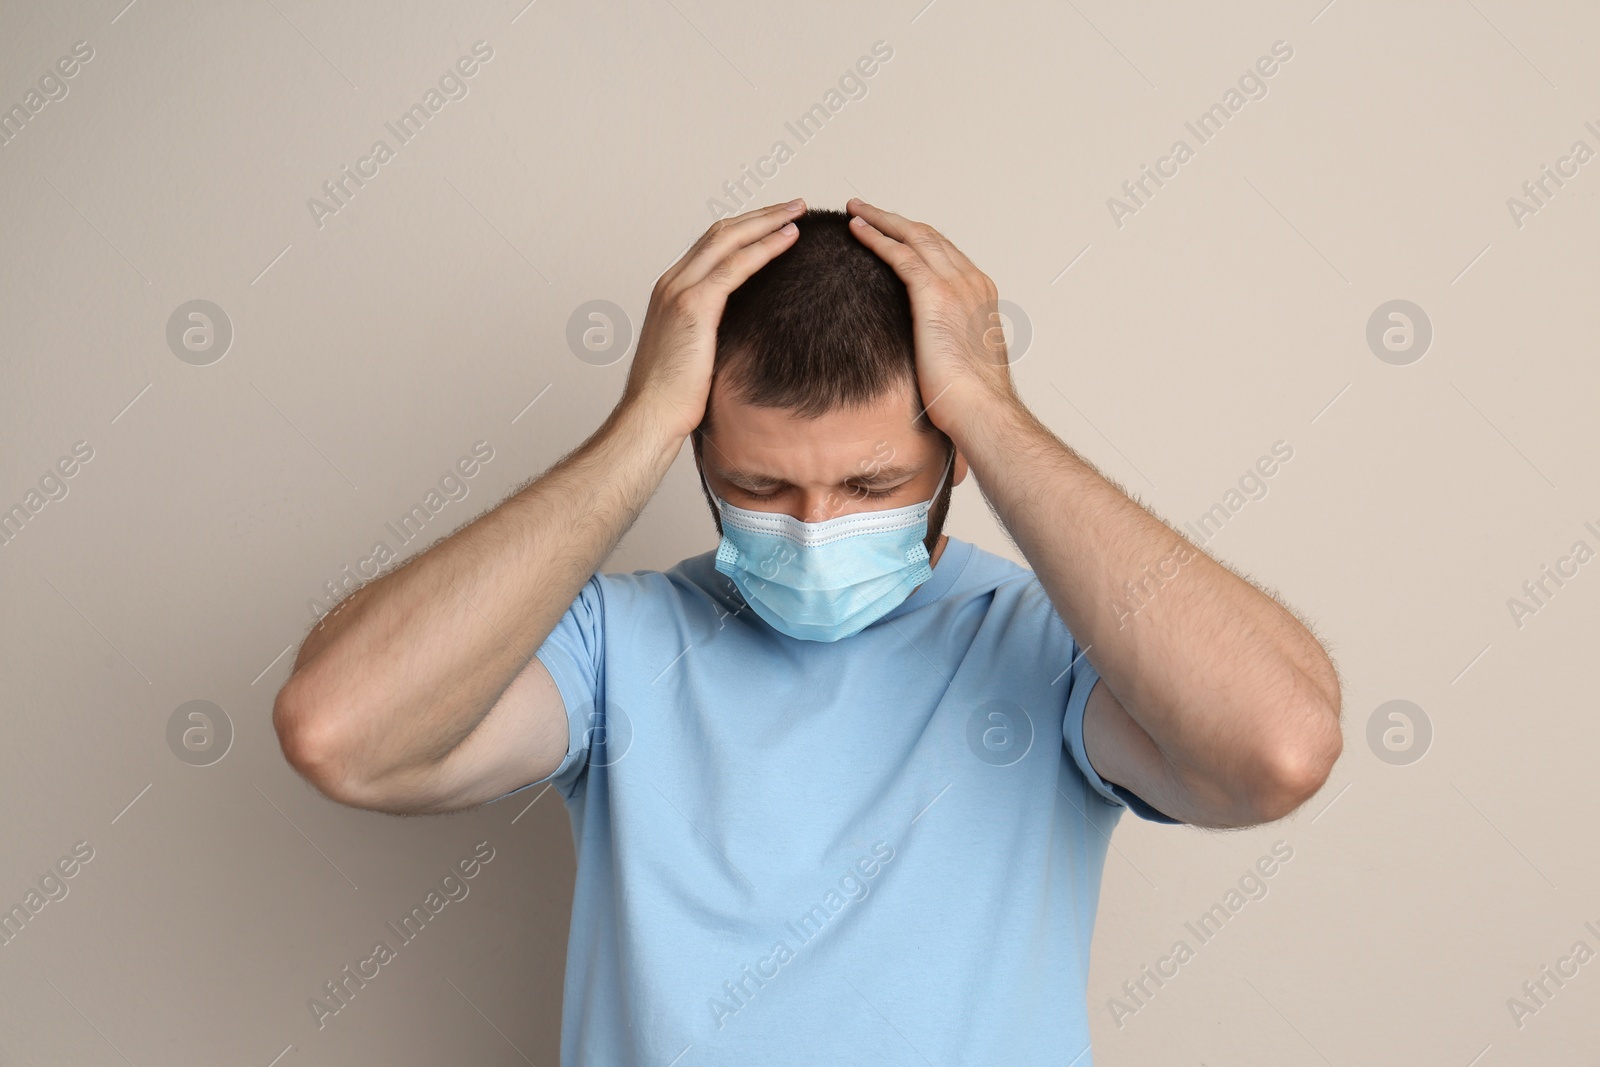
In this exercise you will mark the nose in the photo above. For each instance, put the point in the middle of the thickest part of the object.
(819, 505)
(810, 507)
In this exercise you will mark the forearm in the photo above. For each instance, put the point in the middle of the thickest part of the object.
(408, 665)
(1224, 680)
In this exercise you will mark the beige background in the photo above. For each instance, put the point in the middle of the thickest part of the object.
(430, 311)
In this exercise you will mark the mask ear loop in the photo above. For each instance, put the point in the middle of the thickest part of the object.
(948, 467)
(717, 500)
(699, 469)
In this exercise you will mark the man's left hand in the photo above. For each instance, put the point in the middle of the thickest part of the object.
(960, 346)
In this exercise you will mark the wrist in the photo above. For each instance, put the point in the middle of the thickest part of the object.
(653, 425)
(978, 416)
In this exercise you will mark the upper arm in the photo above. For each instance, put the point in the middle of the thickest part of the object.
(523, 738)
(1122, 753)
(539, 728)
(1117, 760)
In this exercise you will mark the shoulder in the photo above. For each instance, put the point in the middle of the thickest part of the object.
(1013, 597)
(991, 568)
(1013, 585)
(690, 583)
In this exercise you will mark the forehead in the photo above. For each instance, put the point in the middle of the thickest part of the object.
(837, 445)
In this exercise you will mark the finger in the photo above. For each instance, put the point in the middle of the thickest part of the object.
(688, 259)
(958, 257)
(740, 262)
(736, 232)
(927, 241)
(908, 265)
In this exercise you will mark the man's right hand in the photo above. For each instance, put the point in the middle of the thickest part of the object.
(671, 371)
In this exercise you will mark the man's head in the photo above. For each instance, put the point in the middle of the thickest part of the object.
(814, 405)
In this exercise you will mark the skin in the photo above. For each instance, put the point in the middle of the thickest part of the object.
(419, 692)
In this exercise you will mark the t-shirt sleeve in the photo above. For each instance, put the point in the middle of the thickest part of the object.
(1084, 677)
(574, 654)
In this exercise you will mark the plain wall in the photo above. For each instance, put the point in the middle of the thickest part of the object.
(1172, 344)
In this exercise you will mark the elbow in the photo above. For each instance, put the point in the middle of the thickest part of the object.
(309, 743)
(1298, 768)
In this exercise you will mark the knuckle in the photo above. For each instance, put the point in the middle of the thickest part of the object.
(664, 294)
(684, 303)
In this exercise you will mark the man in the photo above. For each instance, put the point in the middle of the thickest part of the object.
(841, 790)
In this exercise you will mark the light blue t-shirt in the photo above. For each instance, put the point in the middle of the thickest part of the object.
(885, 849)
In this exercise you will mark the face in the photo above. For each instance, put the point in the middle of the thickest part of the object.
(870, 458)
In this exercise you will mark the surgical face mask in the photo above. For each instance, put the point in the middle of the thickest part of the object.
(823, 581)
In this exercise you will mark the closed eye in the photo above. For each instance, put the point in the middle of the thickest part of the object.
(856, 491)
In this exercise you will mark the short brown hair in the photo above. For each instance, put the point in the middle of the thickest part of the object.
(824, 325)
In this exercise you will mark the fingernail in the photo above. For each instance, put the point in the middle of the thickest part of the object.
(795, 204)
(789, 228)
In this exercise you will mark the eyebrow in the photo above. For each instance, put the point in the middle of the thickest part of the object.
(763, 482)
